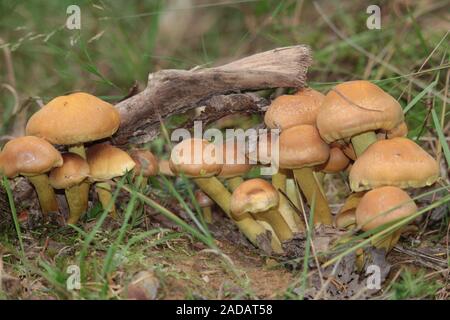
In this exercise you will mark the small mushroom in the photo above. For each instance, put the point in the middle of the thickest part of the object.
(261, 152)
(164, 168)
(197, 159)
(347, 148)
(70, 177)
(146, 165)
(382, 206)
(260, 199)
(235, 164)
(205, 204)
(396, 162)
(355, 110)
(73, 120)
(337, 162)
(287, 111)
(106, 163)
(345, 218)
(32, 157)
(302, 149)
(399, 131)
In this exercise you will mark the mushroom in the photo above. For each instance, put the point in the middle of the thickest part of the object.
(393, 162)
(106, 163)
(205, 204)
(69, 177)
(146, 165)
(235, 164)
(73, 120)
(399, 131)
(355, 110)
(346, 148)
(164, 168)
(191, 157)
(382, 206)
(337, 162)
(291, 192)
(261, 152)
(260, 199)
(32, 157)
(287, 111)
(301, 149)
(345, 218)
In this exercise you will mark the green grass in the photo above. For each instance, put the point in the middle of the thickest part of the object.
(414, 285)
(120, 44)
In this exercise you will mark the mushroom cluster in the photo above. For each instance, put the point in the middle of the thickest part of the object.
(71, 123)
(355, 128)
(367, 124)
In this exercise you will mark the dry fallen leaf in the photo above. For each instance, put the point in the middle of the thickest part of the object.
(143, 286)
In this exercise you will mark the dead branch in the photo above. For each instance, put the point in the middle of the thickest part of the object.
(171, 92)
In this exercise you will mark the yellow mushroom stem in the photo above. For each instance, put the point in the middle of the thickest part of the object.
(320, 177)
(279, 225)
(207, 214)
(291, 192)
(268, 227)
(311, 188)
(234, 182)
(256, 233)
(387, 242)
(362, 141)
(103, 190)
(77, 202)
(284, 208)
(83, 188)
(46, 194)
(79, 150)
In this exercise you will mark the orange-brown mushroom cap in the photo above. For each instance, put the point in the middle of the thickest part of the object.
(399, 131)
(290, 110)
(195, 158)
(260, 150)
(28, 156)
(107, 162)
(301, 146)
(146, 163)
(393, 162)
(74, 171)
(235, 163)
(203, 199)
(164, 168)
(73, 119)
(376, 207)
(347, 148)
(355, 107)
(253, 196)
(337, 161)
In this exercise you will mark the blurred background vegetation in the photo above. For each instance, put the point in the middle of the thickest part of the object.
(120, 42)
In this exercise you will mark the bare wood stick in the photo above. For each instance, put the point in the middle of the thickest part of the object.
(170, 92)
